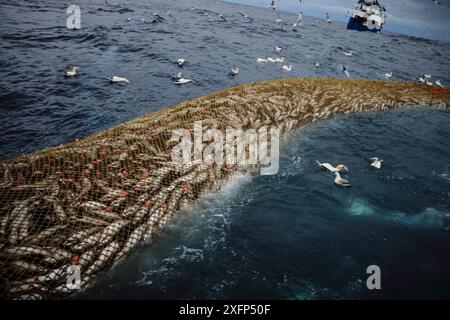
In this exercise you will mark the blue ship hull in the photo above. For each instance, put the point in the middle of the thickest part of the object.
(353, 24)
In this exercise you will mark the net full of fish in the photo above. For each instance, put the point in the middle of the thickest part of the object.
(98, 198)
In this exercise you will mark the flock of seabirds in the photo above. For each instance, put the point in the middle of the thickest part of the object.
(179, 79)
(234, 71)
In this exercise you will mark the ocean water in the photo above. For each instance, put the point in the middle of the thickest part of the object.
(40, 108)
(294, 235)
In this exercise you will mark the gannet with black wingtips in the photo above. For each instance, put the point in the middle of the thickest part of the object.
(115, 79)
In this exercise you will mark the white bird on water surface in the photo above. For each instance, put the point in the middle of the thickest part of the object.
(421, 80)
(261, 60)
(438, 83)
(376, 162)
(341, 181)
(177, 76)
(234, 71)
(388, 75)
(181, 62)
(116, 79)
(428, 76)
(182, 81)
(329, 167)
(348, 54)
(72, 72)
(279, 49)
(278, 60)
(317, 65)
(287, 68)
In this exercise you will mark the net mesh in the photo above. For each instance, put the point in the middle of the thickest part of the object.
(90, 202)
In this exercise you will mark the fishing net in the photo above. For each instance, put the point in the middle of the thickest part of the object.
(87, 204)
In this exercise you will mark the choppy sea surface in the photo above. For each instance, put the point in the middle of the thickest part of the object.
(291, 236)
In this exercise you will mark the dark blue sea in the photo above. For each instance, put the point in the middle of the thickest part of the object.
(294, 235)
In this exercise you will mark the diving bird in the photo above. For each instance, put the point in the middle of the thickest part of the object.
(341, 181)
(348, 54)
(182, 81)
(115, 79)
(287, 68)
(344, 68)
(181, 62)
(234, 71)
(376, 162)
(329, 167)
(72, 72)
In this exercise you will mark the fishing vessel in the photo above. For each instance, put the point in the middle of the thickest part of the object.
(367, 15)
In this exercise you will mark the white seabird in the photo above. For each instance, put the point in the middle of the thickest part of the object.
(234, 71)
(279, 49)
(118, 79)
(376, 162)
(181, 62)
(388, 75)
(270, 59)
(329, 167)
(177, 76)
(72, 72)
(428, 76)
(438, 83)
(348, 54)
(341, 181)
(261, 60)
(182, 81)
(421, 80)
(317, 65)
(279, 60)
(287, 68)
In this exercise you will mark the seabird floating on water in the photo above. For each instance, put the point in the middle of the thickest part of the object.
(438, 83)
(177, 76)
(181, 62)
(279, 49)
(72, 72)
(317, 65)
(329, 167)
(261, 60)
(388, 75)
(118, 79)
(287, 68)
(348, 54)
(428, 76)
(234, 71)
(376, 162)
(182, 81)
(341, 181)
